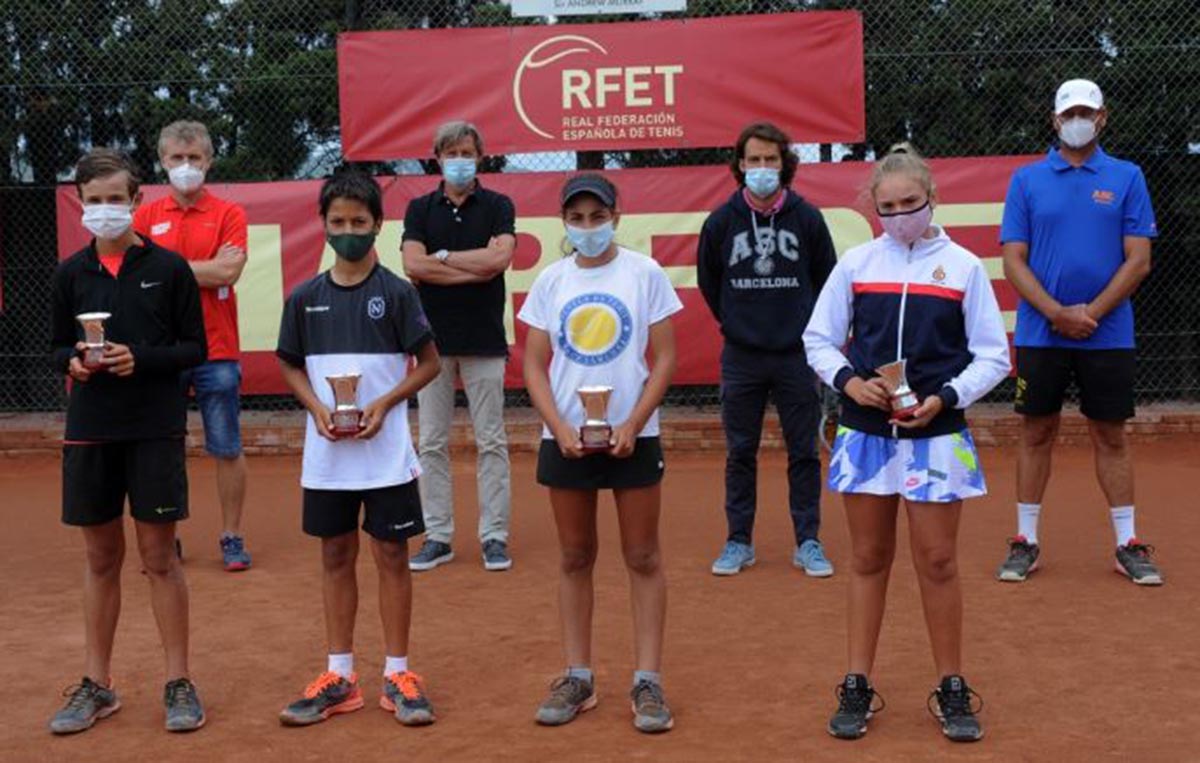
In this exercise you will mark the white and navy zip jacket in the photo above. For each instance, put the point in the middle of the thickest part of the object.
(932, 305)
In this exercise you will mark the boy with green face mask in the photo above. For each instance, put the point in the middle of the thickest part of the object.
(361, 323)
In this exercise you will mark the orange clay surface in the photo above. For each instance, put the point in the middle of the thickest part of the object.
(1075, 665)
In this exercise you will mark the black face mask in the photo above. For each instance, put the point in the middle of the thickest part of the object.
(351, 247)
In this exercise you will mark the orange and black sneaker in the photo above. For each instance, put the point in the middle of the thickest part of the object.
(404, 695)
(329, 695)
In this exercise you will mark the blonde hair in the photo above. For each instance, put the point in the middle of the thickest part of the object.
(903, 158)
(186, 132)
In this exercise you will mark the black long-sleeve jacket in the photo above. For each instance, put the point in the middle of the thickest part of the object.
(155, 307)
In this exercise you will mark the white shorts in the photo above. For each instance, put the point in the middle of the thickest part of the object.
(938, 469)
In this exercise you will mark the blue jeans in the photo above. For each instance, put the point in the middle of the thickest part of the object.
(216, 384)
(748, 377)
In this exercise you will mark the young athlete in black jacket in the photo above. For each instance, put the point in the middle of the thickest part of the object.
(125, 430)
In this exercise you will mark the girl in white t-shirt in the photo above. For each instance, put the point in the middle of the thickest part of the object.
(591, 317)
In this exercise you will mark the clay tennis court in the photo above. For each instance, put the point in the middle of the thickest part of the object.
(1077, 664)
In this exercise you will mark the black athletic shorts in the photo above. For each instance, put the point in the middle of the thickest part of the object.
(97, 478)
(392, 513)
(600, 471)
(1104, 377)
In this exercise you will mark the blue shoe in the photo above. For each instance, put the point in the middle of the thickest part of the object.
(432, 553)
(734, 558)
(495, 556)
(810, 557)
(87, 703)
(233, 553)
(184, 711)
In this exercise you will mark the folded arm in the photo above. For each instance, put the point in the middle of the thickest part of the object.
(420, 267)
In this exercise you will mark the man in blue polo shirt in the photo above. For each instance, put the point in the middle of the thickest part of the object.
(1076, 234)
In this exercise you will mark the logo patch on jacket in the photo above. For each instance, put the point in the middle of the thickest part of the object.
(939, 274)
(376, 307)
(1103, 197)
(766, 245)
(160, 228)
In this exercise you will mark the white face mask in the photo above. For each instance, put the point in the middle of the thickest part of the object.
(185, 178)
(1077, 132)
(107, 221)
(459, 171)
(591, 242)
(762, 181)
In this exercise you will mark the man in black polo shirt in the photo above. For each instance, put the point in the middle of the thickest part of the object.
(458, 241)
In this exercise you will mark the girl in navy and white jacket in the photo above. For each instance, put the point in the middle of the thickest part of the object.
(910, 294)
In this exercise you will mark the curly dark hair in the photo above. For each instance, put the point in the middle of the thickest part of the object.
(772, 134)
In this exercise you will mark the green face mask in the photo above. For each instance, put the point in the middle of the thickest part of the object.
(351, 247)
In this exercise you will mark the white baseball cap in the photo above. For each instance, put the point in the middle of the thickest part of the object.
(1078, 92)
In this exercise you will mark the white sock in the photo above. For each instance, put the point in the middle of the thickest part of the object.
(1122, 519)
(342, 664)
(394, 665)
(1027, 520)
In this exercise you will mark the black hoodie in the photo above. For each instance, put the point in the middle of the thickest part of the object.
(155, 306)
(763, 295)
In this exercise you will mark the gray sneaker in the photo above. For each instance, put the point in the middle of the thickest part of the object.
(184, 712)
(569, 696)
(233, 553)
(650, 712)
(432, 553)
(404, 696)
(1133, 561)
(1021, 562)
(87, 702)
(495, 556)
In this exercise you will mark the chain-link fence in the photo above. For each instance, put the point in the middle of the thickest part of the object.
(956, 77)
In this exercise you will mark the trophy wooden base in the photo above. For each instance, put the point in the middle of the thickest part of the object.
(347, 423)
(595, 437)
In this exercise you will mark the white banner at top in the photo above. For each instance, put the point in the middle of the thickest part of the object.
(592, 7)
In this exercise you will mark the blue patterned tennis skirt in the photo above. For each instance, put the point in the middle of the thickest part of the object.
(939, 469)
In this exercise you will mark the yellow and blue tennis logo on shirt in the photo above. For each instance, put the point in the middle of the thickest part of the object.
(594, 329)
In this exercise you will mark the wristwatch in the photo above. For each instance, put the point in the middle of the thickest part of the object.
(441, 255)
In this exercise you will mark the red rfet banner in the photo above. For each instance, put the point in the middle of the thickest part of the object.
(662, 212)
(662, 84)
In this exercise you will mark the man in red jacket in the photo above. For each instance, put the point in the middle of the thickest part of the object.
(211, 235)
